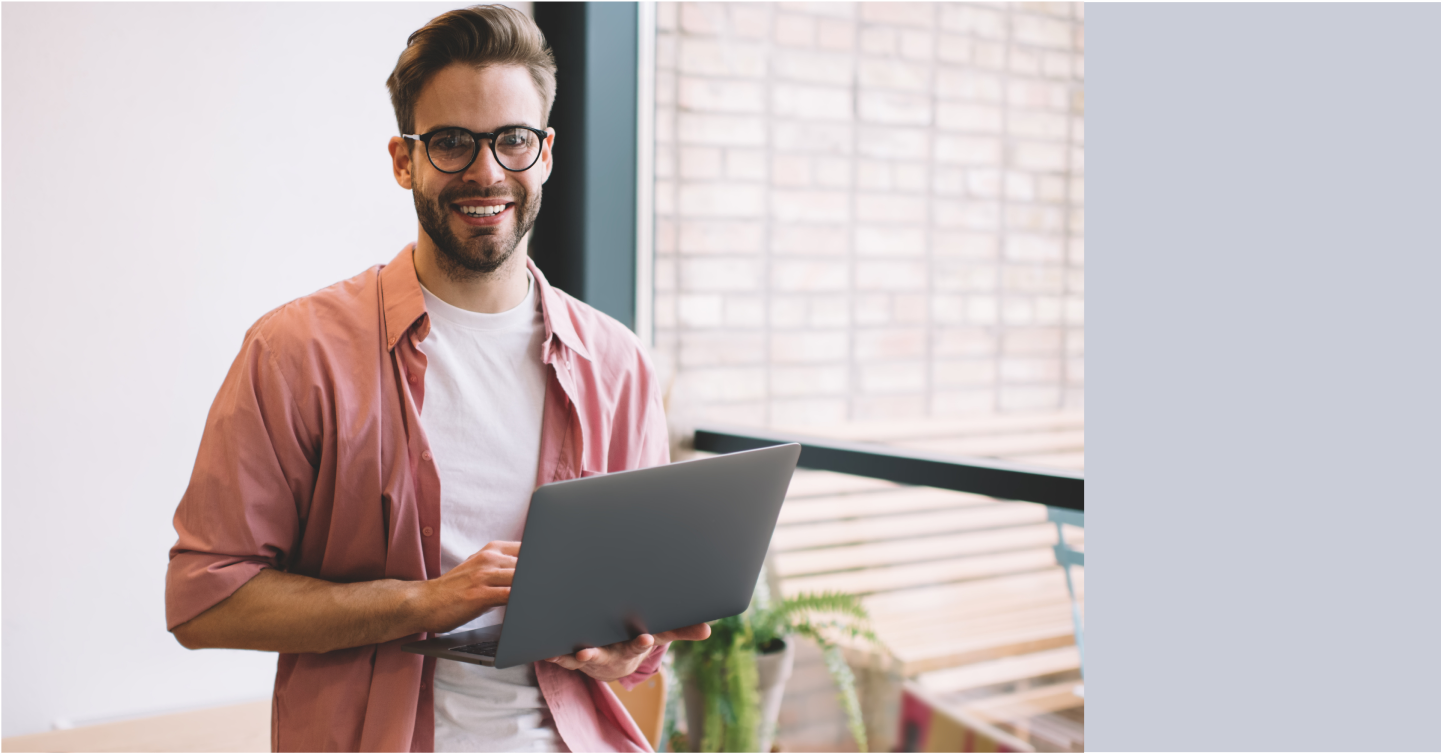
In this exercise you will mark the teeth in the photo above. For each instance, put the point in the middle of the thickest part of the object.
(485, 211)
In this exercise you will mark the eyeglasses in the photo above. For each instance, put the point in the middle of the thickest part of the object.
(453, 150)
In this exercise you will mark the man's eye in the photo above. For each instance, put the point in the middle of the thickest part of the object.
(515, 138)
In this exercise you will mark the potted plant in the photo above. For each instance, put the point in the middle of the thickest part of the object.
(733, 681)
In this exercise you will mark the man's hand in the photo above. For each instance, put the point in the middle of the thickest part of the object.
(479, 584)
(619, 660)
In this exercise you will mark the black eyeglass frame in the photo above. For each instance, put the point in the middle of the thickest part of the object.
(425, 138)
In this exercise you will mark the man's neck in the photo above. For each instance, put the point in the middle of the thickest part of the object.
(501, 290)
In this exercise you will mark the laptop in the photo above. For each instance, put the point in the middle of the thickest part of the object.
(604, 559)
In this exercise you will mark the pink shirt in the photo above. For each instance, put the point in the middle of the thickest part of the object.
(314, 461)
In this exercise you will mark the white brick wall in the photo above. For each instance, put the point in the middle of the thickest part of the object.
(870, 210)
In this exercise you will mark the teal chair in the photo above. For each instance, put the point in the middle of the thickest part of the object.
(1067, 558)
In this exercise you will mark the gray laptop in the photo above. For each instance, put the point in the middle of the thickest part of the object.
(606, 558)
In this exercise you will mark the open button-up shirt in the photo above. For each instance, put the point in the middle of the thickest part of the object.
(313, 461)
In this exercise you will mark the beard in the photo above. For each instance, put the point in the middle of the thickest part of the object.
(482, 250)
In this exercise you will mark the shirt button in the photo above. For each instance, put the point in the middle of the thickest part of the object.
(425, 455)
(427, 531)
(411, 377)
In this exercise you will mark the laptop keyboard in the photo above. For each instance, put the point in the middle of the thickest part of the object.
(479, 649)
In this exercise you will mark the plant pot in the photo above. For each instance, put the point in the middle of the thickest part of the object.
(772, 671)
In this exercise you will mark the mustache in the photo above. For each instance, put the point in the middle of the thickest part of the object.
(450, 197)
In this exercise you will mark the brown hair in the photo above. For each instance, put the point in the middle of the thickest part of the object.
(483, 35)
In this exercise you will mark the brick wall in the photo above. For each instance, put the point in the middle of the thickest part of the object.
(869, 210)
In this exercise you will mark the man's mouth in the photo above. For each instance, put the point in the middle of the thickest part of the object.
(481, 212)
(486, 211)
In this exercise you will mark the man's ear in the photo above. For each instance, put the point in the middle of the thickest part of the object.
(400, 161)
(547, 153)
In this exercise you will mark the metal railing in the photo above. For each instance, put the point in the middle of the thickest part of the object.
(993, 478)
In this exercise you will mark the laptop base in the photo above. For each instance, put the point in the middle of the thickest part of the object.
(469, 646)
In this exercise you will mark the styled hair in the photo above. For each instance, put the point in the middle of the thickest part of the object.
(482, 36)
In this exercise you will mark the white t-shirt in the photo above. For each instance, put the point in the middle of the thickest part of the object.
(484, 398)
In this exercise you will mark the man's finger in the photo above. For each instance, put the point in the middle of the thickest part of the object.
(497, 548)
(511, 548)
(493, 561)
(690, 633)
(637, 645)
(565, 662)
(492, 578)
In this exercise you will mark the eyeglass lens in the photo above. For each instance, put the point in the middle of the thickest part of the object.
(453, 149)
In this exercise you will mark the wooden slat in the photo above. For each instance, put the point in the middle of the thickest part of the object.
(998, 671)
(1071, 461)
(922, 640)
(884, 502)
(1007, 445)
(910, 576)
(1011, 707)
(890, 431)
(831, 559)
(925, 627)
(947, 626)
(949, 616)
(809, 483)
(1041, 585)
(915, 660)
(992, 634)
(997, 515)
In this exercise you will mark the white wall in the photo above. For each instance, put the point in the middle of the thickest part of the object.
(161, 192)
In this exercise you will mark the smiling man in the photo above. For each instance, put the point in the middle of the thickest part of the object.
(366, 467)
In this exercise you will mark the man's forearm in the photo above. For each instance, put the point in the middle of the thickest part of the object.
(288, 613)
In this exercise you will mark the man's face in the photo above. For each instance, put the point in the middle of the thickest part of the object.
(485, 100)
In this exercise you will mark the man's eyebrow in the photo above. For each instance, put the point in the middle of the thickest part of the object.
(497, 129)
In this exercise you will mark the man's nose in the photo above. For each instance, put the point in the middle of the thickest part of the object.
(485, 170)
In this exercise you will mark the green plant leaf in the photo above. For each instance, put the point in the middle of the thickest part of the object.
(846, 685)
(724, 666)
(740, 670)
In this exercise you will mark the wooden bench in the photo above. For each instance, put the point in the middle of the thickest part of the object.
(964, 590)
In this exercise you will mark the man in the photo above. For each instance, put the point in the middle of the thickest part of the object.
(367, 464)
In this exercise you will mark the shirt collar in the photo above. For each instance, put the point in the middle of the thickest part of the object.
(404, 303)
(401, 296)
(555, 309)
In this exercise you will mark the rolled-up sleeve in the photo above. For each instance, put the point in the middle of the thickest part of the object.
(254, 472)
